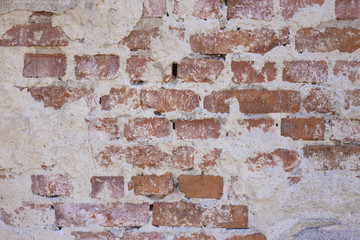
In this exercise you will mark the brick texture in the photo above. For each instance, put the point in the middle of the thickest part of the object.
(204, 186)
(44, 65)
(51, 185)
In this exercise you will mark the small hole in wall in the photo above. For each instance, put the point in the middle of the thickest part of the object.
(167, 14)
(137, 82)
(157, 113)
(100, 101)
(277, 125)
(52, 207)
(174, 70)
(151, 207)
(227, 134)
(173, 125)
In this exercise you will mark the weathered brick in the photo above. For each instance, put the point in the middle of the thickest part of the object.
(249, 9)
(154, 8)
(265, 124)
(136, 67)
(287, 158)
(97, 67)
(102, 129)
(352, 99)
(244, 72)
(146, 128)
(209, 160)
(57, 96)
(253, 41)
(183, 157)
(347, 9)
(349, 69)
(106, 235)
(254, 101)
(141, 38)
(152, 185)
(320, 100)
(345, 130)
(202, 9)
(44, 65)
(291, 7)
(333, 157)
(199, 70)
(202, 186)
(303, 128)
(34, 35)
(143, 236)
(293, 180)
(181, 214)
(255, 236)
(195, 236)
(197, 129)
(330, 39)
(107, 186)
(51, 185)
(167, 100)
(120, 96)
(104, 215)
(305, 71)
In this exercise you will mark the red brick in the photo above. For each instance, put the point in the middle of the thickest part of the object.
(141, 38)
(291, 7)
(120, 96)
(57, 96)
(345, 130)
(5, 217)
(244, 72)
(167, 100)
(136, 67)
(154, 8)
(254, 101)
(199, 70)
(107, 186)
(305, 71)
(206, 9)
(195, 236)
(293, 180)
(44, 65)
(202, 186)
(97, 67)
(106, 235)
(320, 100)
(255, 236)
(183, 157)
(34, 35)
(197, 129)
(102, 129)
(287, 158)
(303, 128)
(51, 185)
(146, 128)
(103, 215)
(352, 99)
(253, 41)
(152, 185)
(143, 236)
(347, 9)
(209, 160)
(349, 69)
(249, 9)
(330, 39)
(181, 214)
(265, 124)
(333, 157)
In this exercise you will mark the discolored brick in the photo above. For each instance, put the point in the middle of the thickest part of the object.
(249, 9)
(51, 185)
(303, 128)
(152, 185)
(291, 7)
(107, 186)
(305, 71)
(128, 97)
(197, 129)
(202, 186)
(244, 72)
(44, 65)
(199, 70)
(146, 128)
(97, 67)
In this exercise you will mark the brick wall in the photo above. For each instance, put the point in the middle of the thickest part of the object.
(168, 119)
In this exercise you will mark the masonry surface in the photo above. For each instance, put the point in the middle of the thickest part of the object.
(180, 120)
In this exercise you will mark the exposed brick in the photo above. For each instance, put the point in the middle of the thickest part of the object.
(31, 215)
(97, 67)
(202, 186)
(34, 35)
(107, 186)
(167, 100)
(147, 156)
(345, 130)
(146, 128)
(120, 96)
(287, 158)
(291, 7)
(206, 9)
(330, 39)
(141, 38)
(104, 215)
(293, 180)
(136, 67)
(195, 236)
(352, 99)
(305, 71)
(303, 128)
(249, 9)
(106, 235)
(197, 129)
(44, 65)
(152, 185)
(349, 69)
(253, 41)
(199, 70)
(143, 236)
(102, 128)
(333, 157)
(255, 236)
(154, 8)
(320, 100)
(254, 101)
(265, 124)
(51, 185)
(347, 9)
(183, 157)
(181, 214)
(57, 96)
(209, 160)
(244, 72)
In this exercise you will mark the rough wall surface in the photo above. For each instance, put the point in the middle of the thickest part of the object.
(168, 119)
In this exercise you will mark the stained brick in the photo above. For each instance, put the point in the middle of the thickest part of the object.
(183, 157)
(102, 128)
(291, 7)
(202, 186)
(128, 97)
(349, 69)
(141, 38)
(345, 130)
(347, 9)
(305, 71)
(320, 100)
(209, 160)
(152, 185)
(195, 236)
(97, 67)
(146, 128)
(154, 8)
(107, 186)
(44, 65)
(106, 235)
(51, 185)
(265, 124)
(197, 129)
(143, 236)
(136, 67)
(352, 99)
(303, 128)
(244, 72)
(255, 236)
(249, 9)
(199, 70)
(202, 9)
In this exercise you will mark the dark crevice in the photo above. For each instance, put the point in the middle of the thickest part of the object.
(174, 70)
(157, 113)
(173, 125)
(137, 82)
(151, 207)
